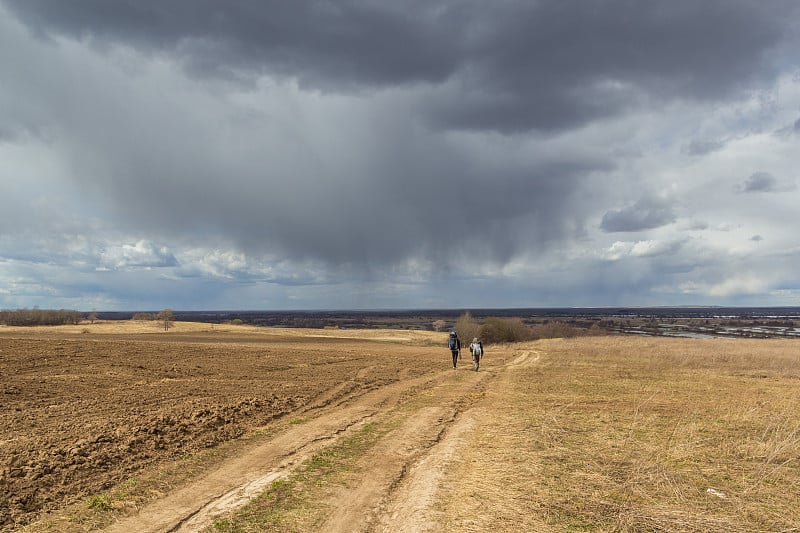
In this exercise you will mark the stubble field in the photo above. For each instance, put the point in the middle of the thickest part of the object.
(212, 428)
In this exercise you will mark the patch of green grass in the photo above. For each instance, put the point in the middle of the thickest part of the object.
(100, 502)
(127, 488)
(293, 503)
(220, 524)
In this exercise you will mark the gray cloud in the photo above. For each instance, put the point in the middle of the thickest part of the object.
(700, 148)
(360, 154)
(647, 213)
(7, 134)
(761, 181)
(356, 184)
(510, 66)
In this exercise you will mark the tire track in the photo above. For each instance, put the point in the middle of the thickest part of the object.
(236, 481)
(401, 475)
(409, 504)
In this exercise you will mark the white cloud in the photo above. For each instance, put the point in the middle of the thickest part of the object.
(740, 284)
(644, 248)
(141, 254)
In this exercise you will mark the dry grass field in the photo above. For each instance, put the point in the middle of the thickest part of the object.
(125, 427)
(638, 434)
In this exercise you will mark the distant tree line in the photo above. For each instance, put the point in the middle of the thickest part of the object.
(167, 316)
(498, 330)
(40, 317)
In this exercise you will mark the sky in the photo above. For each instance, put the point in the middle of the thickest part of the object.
(365, 154)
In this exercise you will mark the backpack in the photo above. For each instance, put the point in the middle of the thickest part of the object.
(452, 343)
(477, 349)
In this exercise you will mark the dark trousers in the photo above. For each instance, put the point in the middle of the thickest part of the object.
(455, 357)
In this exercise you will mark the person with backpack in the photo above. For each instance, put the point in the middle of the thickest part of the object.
(476, 347)
(455, 346)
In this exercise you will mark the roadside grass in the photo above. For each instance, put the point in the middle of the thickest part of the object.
(295, 502)
(639, 434)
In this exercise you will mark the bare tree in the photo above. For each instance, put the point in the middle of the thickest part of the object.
(167, 316)
(438, 325)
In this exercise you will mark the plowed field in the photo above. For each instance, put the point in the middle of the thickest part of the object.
(83, 409)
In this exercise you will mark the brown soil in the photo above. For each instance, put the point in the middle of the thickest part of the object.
(180, 430)
(82, 412)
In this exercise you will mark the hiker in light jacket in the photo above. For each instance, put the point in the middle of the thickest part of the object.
(476, 347)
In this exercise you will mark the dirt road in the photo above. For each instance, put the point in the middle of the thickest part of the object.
(426, 424)
(119, 426)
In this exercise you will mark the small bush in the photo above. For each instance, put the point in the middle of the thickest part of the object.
(496, 330)
(596, 331)
(554, 330)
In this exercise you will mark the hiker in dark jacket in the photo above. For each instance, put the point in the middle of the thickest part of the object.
(455, 346)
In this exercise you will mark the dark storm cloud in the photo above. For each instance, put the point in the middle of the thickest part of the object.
(647, 213)
(7, 134)
(507, 66)
(417, 198)
(324, 44)
(324, 152)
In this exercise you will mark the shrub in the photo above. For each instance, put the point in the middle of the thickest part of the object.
(496, 330)
(467, 327)
(504, 330)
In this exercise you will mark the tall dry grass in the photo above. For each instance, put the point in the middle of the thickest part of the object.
(651, 434)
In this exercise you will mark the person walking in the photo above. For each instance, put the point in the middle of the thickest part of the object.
(455, 346)
(476, 347)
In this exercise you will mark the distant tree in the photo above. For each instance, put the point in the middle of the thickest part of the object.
(167, 316)
(467, 327)
(439, 325)
(92, 317)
